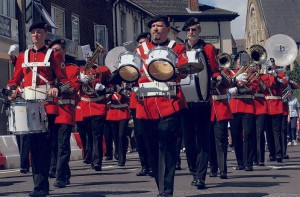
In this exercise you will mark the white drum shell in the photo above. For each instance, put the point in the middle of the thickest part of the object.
(27, 117)
(162, 53)
(129, 58)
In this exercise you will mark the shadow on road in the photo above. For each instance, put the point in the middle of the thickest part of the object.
(232, 195)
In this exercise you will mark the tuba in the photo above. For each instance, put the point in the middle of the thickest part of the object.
(258, 54)
(86, 88)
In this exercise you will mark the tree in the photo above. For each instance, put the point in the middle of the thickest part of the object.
(295, 76)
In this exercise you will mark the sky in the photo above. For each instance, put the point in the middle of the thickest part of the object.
(238, 6)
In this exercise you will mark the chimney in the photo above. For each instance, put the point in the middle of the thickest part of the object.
(193, 5)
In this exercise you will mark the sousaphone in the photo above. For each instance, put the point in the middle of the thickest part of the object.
(282, 48)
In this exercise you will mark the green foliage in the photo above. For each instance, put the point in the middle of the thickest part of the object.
(295, 76)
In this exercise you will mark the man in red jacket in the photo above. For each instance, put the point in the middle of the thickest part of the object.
(40, 70)
(64, 122)
(159, 111)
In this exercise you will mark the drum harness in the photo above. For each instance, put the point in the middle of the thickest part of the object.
(33, 67)
(155, 88)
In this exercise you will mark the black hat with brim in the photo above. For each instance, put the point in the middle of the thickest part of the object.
(159, 18)
(143, 35)
(58, 41)
(39, 25)
(191, 21)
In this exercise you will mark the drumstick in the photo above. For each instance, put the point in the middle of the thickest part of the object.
(38, 91)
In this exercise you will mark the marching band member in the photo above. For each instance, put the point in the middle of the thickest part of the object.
(243, 122)
(94, 79)
(196, 119)
(40, 76)
(261, 112)
(117, 118)
(220, 114)
(138, 132)
(64, 121)
(159, 115)
(275, 84)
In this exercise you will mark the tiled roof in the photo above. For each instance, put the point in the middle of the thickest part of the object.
(179, 8)
(282, 17)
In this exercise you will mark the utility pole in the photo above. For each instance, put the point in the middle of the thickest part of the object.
(21, 24)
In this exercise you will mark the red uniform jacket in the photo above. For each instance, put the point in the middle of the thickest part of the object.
(88, 105)
(220, 108)
(56, 70)
(260, 102)
(275, 106)
(66, 111)
(154, 107)
(118, 108)
(243, 105)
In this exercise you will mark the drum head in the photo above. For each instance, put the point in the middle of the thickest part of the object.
(161, 70)
(128, 73)
(190, 68)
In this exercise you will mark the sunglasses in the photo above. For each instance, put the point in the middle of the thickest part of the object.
(193, 29)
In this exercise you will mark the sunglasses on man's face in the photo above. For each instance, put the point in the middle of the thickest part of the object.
(193, 29)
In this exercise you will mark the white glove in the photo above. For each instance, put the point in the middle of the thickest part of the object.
(242, 77)
(83, 78)
(13, 50)
(233, 91)
(99, 87)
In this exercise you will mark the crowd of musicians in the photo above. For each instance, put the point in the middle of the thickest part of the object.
(195, 109)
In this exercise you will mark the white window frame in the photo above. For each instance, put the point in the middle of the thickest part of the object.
(8, 8)
(73, 16)
(53, 16)
(103, 42)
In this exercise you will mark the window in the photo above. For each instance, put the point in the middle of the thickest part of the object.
(101, 36)
(58, 16)
(41, 13)
(7, 8)
(75, 29)
(123, 28)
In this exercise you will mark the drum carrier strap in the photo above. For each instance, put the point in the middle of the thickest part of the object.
(34, 65)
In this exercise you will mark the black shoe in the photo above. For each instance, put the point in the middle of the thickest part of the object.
(97, 168)
(67, 182)
(240, 167)
(193, 183)
(59, 184)
(108, 158)
(279, 159)
(87, 161)
(52, 175)
(248, 168)
(24, 170)
(121, 164)
(285, 157)
(213, 174)
(255, 163)
(143, 172)
(261, 164)
(223, 175)
(40, 193)
(150, 173)
(271, 158)
(200, 184)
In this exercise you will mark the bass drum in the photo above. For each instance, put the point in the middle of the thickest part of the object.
(194, 86)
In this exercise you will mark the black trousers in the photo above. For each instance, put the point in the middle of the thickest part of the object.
(195, 129)
(140, 141)
(97, 130)
(243, 137)
(284, 128)
(218, 143)
(83, 128)
(63, 151)
(119, 130)
(274, 135)
(161, 140)
(260, 137)
(40, 147)
(24, 149)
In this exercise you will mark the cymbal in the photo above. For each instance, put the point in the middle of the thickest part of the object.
(191, 68)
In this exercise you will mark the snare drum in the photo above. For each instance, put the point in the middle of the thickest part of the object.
(129, 66)
(161, 63)
(27, 117)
